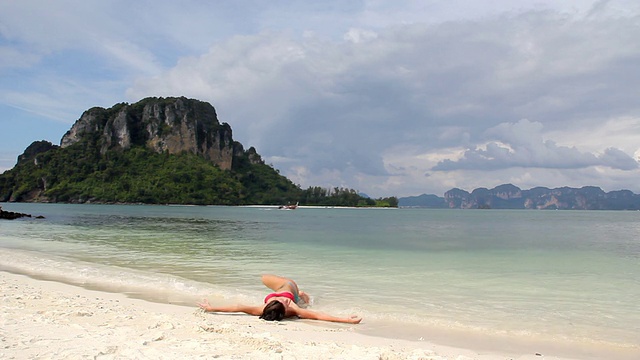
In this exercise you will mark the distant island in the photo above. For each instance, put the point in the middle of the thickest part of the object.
(158, 151)
(509, 196)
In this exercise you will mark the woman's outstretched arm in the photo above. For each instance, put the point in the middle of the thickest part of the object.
(308, 314)
(251, 310)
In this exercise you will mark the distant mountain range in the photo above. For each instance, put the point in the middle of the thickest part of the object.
(509, 196)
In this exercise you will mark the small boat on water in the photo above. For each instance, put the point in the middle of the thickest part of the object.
(288, 207)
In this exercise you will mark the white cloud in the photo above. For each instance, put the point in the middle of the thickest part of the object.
(11, 58)
(132, 57)
(359, 35)
(620, 131)
(522, 145)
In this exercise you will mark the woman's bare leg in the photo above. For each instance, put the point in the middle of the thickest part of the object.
(279, 283)
(275, 282)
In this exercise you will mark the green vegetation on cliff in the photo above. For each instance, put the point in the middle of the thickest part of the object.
(77, 174)
(80, 174)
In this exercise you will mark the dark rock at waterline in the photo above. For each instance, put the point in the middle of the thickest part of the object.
(10, 215)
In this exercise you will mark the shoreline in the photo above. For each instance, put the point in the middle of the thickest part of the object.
(55, 320)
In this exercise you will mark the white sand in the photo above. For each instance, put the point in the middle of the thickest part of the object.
(49, 320)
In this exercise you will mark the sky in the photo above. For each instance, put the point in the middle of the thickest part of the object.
(391, 98)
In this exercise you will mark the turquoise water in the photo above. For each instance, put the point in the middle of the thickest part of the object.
(570, 277)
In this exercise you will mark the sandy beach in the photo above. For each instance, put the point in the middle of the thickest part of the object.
(50, 320)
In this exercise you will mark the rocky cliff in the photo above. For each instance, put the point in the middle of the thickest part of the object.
(31, 152)
(156, 151)
(172, 125)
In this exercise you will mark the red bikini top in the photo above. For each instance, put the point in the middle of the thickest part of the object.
(282, 294)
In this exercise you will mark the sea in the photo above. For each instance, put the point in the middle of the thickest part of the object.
(533, 281)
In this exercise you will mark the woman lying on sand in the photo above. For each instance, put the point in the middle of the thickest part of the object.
(280, 304)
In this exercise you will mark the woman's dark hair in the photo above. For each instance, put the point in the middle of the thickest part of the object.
(274, 310)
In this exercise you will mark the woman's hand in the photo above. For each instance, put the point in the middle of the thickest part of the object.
(354, 319)
(204, 305)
